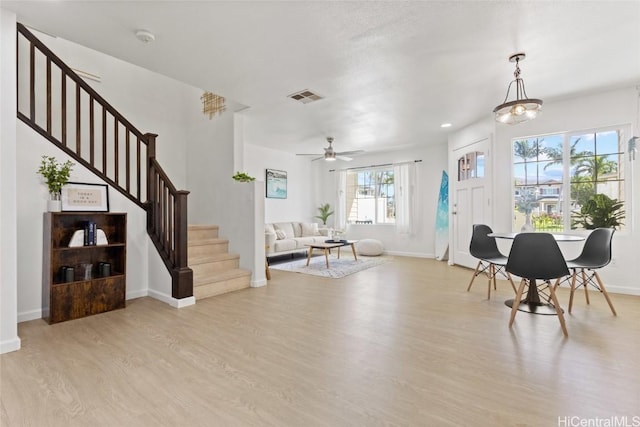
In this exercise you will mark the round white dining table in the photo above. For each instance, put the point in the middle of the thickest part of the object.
(532, 302)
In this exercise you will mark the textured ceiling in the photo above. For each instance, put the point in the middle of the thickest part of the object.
(390, 72)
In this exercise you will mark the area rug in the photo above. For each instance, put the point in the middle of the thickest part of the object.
(337, 267)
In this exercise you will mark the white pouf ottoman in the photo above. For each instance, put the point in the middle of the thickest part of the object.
(369, 247)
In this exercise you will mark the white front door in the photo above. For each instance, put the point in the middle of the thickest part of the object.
(471, 193)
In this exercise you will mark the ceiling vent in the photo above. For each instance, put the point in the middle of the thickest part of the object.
(305, 96)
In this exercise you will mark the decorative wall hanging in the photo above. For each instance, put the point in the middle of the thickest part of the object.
(212, 104)
(276, 184)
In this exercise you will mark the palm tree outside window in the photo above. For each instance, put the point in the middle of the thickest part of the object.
(579, 164)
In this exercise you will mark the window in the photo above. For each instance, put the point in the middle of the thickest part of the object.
(470, 166)
(578, 164)
(370, 196)
(596, 166)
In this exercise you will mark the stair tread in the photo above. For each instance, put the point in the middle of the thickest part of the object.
(204, 242)
(202, 227)
(220, 276)
(205, 259)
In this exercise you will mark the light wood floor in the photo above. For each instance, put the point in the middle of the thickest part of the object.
(400, 344)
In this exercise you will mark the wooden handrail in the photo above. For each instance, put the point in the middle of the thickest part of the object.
(100, 138)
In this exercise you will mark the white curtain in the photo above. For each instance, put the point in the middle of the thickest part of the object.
(405, 187)
(341, 206)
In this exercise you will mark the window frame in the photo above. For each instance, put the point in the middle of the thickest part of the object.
(372, 170)
(626, 181)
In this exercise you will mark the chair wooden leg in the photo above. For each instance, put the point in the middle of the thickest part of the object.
(516, 301)
(573, 288)
(604, 291)
(585, 282)
(493, 274)
(492, 278)
(556, 304)
(511, 281)
(475, 273)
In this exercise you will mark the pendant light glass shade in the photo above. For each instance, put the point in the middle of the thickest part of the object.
(522, 108)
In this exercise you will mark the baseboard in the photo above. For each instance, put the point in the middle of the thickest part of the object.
(258, 283)
(622, 290)
(8, 346)
(137, 294)
(173, 302)
(410, 254)
(29, 315)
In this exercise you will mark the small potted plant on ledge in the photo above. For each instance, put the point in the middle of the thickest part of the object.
(56, 175)
(242, 177)
(325, 213)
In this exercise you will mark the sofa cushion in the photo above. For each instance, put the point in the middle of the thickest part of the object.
(302, 241)
(280, 235)
(297, 229)
(284, 245)
(309, 229)
(287, 227)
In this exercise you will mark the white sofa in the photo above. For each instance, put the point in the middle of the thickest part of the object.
(282, 238)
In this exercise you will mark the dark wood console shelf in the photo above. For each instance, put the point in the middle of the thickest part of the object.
(66, 298)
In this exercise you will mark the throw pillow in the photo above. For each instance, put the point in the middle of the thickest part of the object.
(310, 229)
(286, 227)
(280, 235)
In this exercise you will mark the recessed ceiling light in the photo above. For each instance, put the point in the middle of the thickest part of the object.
(445, 125)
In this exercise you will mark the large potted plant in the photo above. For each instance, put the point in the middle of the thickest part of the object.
(600, 211)
(55, 175)
(325, 213)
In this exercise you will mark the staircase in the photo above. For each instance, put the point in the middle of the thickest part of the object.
(57, 104)
(215, 270)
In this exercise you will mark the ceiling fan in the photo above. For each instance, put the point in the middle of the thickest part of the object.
(330, 155)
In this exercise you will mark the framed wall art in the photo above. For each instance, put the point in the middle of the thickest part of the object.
(81, 197)
(276, 184)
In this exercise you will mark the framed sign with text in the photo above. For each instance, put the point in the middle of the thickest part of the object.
(77, 196)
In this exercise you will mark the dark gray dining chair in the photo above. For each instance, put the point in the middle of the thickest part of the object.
(596, 254)
(533, 257)
(491, 260)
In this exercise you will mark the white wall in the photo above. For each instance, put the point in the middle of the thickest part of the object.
(299, 204)
(429, 175)
(210, 165)
(9, 340)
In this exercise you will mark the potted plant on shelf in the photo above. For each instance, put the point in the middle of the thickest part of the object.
(599, 211)
(56, 175)
(325, 213)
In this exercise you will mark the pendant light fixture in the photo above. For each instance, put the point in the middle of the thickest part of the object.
(522, 108)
